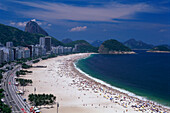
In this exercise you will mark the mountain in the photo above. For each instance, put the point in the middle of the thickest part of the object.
(113, 47)
(21, 38)
(133, 44)
(82, 46)
(96, 43)
(33, 27)
(66, 41)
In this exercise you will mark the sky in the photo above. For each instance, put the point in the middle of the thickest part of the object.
(146, 20)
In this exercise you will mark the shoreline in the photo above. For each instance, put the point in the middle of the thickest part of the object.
(150, 51)
(66, 71)
(116, 88)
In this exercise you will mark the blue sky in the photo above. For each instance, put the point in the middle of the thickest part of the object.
(146, 20)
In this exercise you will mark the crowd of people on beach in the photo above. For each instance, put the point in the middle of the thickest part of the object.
(82, 82)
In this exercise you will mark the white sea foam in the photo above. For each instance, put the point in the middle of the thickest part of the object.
(113, 87)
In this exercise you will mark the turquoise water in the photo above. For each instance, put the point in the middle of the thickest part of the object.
(144, 74)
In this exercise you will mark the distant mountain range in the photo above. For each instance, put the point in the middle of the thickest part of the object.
(96, 43)
(33, 27)
(133, 44)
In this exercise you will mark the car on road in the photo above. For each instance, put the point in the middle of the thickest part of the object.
(2, 100)
(19, 92)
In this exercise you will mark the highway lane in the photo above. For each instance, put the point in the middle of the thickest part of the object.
(11, 97)
(8, 97)
(18, 96)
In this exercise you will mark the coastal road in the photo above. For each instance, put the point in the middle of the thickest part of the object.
(11, 97)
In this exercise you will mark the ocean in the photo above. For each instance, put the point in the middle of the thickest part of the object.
(143, 74)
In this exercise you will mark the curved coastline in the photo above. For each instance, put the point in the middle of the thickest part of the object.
(123, 91)
(78, 93)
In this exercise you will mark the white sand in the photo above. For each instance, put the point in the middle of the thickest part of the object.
(57, 79)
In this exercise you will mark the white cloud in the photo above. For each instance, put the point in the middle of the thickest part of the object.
(34, 20)
(23, 24)
(107, 12)
(49, 25)
(162, 30)
(12, 23)
(38, 22)
(79, 28)
(19, 24)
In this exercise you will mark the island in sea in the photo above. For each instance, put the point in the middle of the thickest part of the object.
(160, 49)
(114, 47)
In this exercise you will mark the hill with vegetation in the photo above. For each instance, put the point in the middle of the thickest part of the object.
(165, 45)
(113, 47)
(133, 44)
(21, 38)
(82, 46)
(160, 48)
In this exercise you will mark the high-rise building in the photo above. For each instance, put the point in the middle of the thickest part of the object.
(48, 43)
(1, 56)
(75, 49)
(45, 42)
(15, 49)
(42, 41)
(20, 54)
(60, 49)
(6, 54)
(9, 44)
(39, 51)
(26, 53)
(31, 48)
(11, 54)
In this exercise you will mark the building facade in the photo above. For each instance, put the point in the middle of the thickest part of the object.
(48, 43)
(45, 42)
(9, 44)
(1, 56)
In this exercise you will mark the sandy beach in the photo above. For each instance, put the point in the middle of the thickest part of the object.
(77, 93)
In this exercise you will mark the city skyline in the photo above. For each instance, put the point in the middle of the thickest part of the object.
(91, 20)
